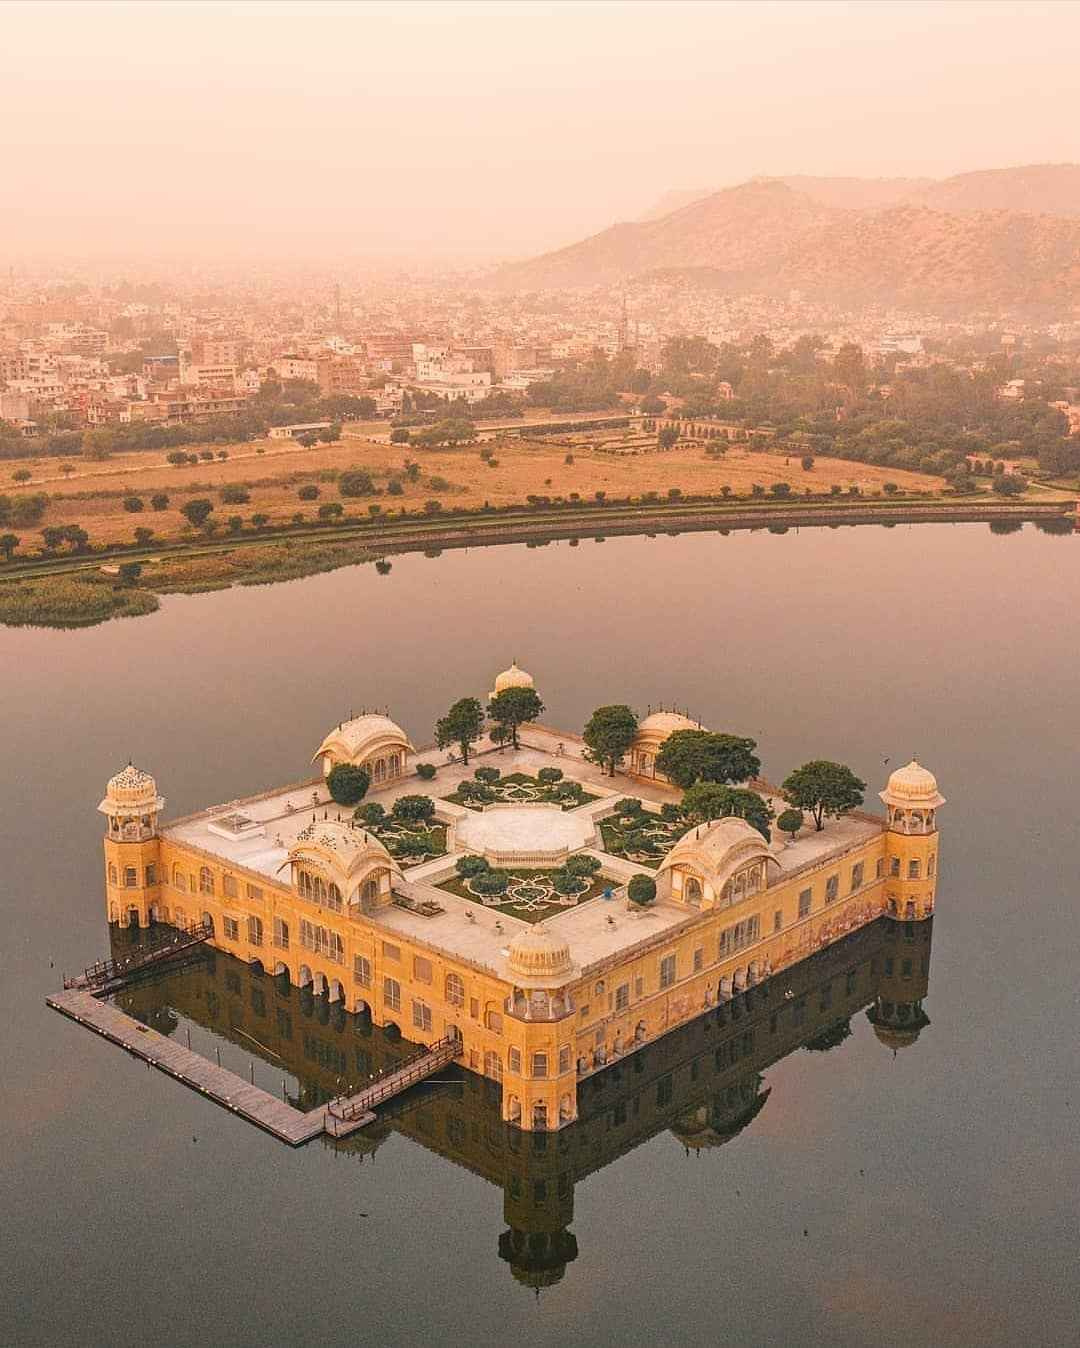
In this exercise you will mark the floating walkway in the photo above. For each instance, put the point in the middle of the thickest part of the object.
(338, 1119)
(108, 976)
(349, 1112)
(225, 1088)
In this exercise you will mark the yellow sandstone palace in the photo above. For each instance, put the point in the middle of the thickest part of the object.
(289, 881)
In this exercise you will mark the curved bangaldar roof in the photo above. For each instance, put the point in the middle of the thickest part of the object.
(344, 849)
(358, 738)
(658, 725)
(131, 789)
(717, 850)
(913, 786)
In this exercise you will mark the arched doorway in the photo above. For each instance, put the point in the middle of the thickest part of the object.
(337, 992)
(305, 976)
(208, 921)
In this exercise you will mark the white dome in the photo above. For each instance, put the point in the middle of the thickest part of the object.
(535, 953)
(131, 791)
(913, 785)
(514, 677)
(655, 728)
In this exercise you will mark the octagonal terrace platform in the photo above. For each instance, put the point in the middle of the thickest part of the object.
(523, 835)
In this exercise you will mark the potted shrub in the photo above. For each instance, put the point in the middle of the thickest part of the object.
(641, 890)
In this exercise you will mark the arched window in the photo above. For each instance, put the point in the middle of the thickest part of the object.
(493, 1020)
(255, 930)
(455, 990)
(371, 889)
(206, 880)
(319, 889)
(179, 882)
(493, 1067)
(692, 889)
(540, 1115)
(113, 878)
(281, 933)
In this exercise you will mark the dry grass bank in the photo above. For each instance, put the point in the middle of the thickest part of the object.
(523, 468)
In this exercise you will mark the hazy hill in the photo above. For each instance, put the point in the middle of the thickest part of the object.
(857, 193)
(1040, 189)
(766, 237)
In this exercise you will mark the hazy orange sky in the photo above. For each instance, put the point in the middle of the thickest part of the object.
(489, 129)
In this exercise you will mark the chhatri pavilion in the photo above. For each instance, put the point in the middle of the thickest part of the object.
(542, 983)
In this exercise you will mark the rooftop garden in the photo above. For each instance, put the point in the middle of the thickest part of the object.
(640, 835)
(408, 831)
(488, 787)
(528, 894)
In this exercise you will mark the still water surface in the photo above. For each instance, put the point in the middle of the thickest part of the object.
(925, 1197)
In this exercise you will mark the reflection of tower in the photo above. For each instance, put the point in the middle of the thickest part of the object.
(913, 799)
(132, 883)
(538, 1206)
(897, 1014)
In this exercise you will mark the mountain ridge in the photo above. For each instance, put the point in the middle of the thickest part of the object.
(765, 236)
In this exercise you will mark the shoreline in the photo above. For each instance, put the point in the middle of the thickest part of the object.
(334, 546)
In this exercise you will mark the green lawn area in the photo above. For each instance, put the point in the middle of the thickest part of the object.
(517, 788)
(410, 846)
(641, 836)
(530, 894)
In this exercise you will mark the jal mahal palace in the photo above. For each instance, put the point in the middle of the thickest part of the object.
(540, 990)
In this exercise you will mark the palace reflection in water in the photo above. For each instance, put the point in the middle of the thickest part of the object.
(704, 1082)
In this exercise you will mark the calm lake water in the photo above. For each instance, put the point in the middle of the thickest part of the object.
(925, 1197)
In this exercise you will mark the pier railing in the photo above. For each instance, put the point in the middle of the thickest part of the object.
(107, 975)
(409, 1072)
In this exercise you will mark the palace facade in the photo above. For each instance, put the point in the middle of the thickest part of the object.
(292, 884)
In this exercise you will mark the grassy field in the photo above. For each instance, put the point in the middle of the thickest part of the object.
(93, 495)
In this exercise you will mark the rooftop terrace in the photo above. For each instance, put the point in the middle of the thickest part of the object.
(257, 833)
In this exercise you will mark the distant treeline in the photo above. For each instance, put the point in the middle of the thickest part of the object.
(276, 405)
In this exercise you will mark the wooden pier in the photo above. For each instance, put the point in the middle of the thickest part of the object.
(216, 1083)
(346, 1113)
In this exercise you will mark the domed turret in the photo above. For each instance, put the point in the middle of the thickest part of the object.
(913, 786)
(652, 732)
(514, 677)
(132, 804)
(132, 882)
(536, 954)
(912, 800)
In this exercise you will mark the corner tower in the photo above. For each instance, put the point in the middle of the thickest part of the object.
(132, 808)
(911, 842)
